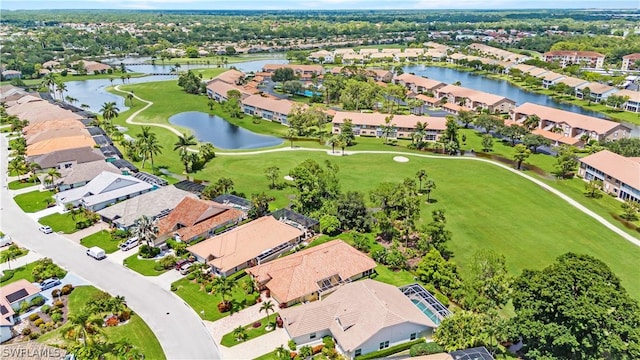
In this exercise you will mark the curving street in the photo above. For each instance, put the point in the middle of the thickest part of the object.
(181, 332)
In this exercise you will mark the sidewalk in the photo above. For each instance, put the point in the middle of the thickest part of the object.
(46, 212)
(24, 190)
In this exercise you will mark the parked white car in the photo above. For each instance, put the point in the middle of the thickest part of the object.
(129, 244)
(46, 229)
(5, 240)
(184, 269)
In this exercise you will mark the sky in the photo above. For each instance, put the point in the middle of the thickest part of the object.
(316, 4)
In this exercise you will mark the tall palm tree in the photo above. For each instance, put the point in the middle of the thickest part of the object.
(109, 110)
(282, 353)
(10, 254)
(421, 174)
(148, 144)
(52, 175)
(184, 142)
(145, 229)
(49, 80)
(224, 287)
(531, 122)
(18, 166)
(429, 186)
(207, 151)
(267, 307)
(130, 98)
(85, 327)
(61, 88)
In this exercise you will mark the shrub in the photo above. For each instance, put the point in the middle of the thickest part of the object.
(38, 322)
(45, 309)
(67, 289)
(55, 293)
(168, 262)
(112, 321)
(148, 252)
(58, 304)
(328, 342)
(292, 345)
(26, 331)
(329, 225)
(119, 235)
(56, 317)
(391, 350)
(257, 324)
(45, 268)
(8, 274)
(317, 349)
(442, 298)
(158, 267)
(124, 315)
(425, 349)
(208, 288)
(37, 301)
(191, 276)
(174, 288)
(34, 317)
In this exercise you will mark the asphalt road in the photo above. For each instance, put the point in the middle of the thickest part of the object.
(179, 329)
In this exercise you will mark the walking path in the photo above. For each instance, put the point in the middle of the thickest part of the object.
(547, 187)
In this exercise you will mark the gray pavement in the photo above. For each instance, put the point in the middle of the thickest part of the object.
(181, 332)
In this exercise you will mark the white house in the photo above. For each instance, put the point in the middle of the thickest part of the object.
(12, 296)
(363, 317)
(104, 190)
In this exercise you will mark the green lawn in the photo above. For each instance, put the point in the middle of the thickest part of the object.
(23, 272)
(60, 223)
(18, 184)
(145, 267)
(34, 201)
(23, 252)
(229, 339)
(213, 60)
(135, 331)
(101, 239)
(268, 356)
(206, 304)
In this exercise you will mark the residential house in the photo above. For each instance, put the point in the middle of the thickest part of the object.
(303, 72)
(537, 72)
(402, 126)
(36, 137)
(11, 93)
(589, 59)
(569, 128)
(312, 273)
(353, 58)
(51, 64)
(79, 140)
(381, 75)
(233, 77)
(36, 110)
(321, 56)
(65, 159)
(474, 99)
(599, 92)
(418, 84)
(573, 82)
(631, 62)
(105, 189)
(455, 58)
(193, 218)
(406, 56)
(633, 102)
(78, 175)
(620, 175)
(248, 245)
(155, 204)
(498, 53)
(94, 67)
(51, 125)
(362, 316)
(12, 296)
(218, 89)
(550, 78)
(268, 108)
(11, 74)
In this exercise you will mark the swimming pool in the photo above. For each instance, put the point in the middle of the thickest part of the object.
(425, 309)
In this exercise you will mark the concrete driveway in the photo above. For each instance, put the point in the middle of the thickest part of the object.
(180, 331)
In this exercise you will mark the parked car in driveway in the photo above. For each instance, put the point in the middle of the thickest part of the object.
(5, 240)
(49, 283)
(129, 244)
(181, 262)
(184, 269)
(46, 229)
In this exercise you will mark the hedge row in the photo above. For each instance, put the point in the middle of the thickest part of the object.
(390, 350)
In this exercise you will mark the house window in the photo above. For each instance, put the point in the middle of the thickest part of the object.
(413, 336)
(384, 344)
(312, 336)
(358, 352)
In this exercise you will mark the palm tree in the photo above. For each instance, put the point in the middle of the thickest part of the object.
(18, 166)
(49, 80)
(531, 122)
(109, 110)
(334, 140)
(291, 134)
(429, 186)
(130, 98)
(10, 254)
(421, 174)
(145, 229)
(52, 175)
(224, 287)
(282, 353)
(387, 128)
(240, 333)
(211, 103)
(267, 307)
(148, 145)
(184, 142)
(61, 88)
(84, 326)
(70, 99)
(207, 151)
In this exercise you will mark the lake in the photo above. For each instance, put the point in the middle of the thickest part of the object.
(221, 133)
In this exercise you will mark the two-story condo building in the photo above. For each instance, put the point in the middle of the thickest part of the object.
(590, 59)
(474, 99)
(403, 126)
(620, 175)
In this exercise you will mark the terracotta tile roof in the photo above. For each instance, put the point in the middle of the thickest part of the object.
(572, 81)
(550, 76)
(523, 67)
(573, 53)
(281, 106)
(537, 72)
(55, 133)
(426, 83)
(590, 123)
(297, 275)
(354, 313)
(49, 125)
(231, 76)
(40, 110)
(245, 242)
(597, 88)
(635, 56)
(559, 137)
(296, 68)
(222, 87)
(61, 143)
(192, 217)
(617, 166)
(378, 119)
(473, 95)
(633, 95)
